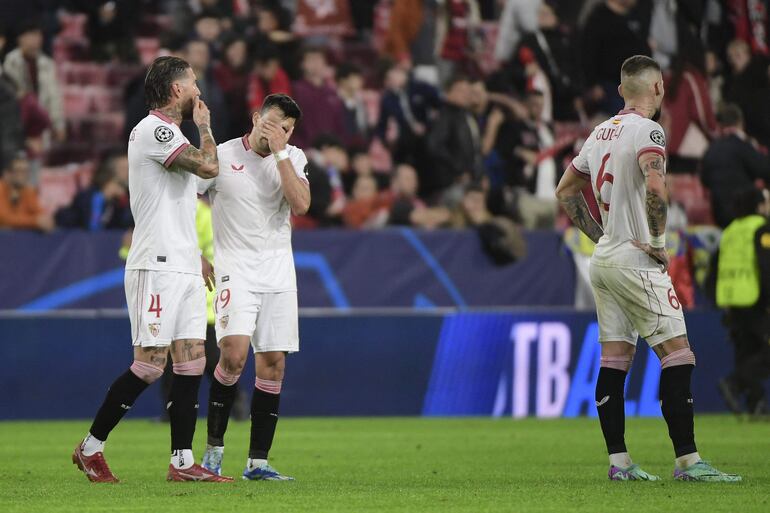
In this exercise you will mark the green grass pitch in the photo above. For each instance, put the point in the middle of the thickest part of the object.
(390, 464)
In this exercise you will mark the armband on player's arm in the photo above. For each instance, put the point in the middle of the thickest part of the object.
(653, 166)
(570, 195)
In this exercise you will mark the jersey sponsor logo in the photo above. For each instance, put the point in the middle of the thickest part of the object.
(658, 138)
(237, 169)
(163, 134)
(154, 328)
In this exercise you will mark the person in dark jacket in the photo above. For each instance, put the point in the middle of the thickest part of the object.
(406, 109)
(731, 163)
(104, 204)
(454, 142)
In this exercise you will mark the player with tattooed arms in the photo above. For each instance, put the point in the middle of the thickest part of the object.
(624, 159)
(164, 290)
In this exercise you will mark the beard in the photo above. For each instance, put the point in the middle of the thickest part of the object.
(187, 109)
(656, 116)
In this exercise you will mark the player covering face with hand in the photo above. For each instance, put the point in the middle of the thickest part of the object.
(624, 160)
(261, 182)
(164, 290)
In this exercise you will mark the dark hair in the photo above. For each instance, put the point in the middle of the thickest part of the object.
(456, 79)
(284, 103)
(637, 64)
(106, 170)
(346, 70)
(157, 84)
(746, 201)
(29, 25)
(311, 49)
(327, 140)
(729, 115)
(263, 51)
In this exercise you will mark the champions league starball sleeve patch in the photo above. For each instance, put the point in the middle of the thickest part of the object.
(658, 137)
(163, 134)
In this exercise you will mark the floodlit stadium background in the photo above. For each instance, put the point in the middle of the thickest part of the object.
(467, 299)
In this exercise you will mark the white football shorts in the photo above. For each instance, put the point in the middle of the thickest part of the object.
(633, 302)
(270, 319)
(165, 306)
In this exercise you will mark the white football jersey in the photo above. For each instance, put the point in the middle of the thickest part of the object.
(163, 199)
(610, 158)
(252, 225)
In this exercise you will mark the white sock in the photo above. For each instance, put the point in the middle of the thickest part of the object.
(621, 460)
(91, 445)
(182, 458)
(251, 464)
(688, 460)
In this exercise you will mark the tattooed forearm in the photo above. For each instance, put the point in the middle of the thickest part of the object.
(202, 162)
(577, 210)
(656, 202)
(657, 209)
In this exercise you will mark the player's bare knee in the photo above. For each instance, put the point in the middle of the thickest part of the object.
(232, 362)
(187, 350)
(155, 356)
(671, 346)
(271, 365)
(147, 372)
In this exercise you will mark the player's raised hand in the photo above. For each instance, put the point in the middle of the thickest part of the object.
(660, 255)
(207, 270)
(201, 114)
(276, 136)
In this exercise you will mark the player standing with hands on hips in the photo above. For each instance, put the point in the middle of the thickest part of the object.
(164, 290)
(624, 159)
(261, 182)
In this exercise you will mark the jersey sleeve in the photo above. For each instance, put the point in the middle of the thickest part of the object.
(650, 139)
(164, 142)
(204, 184)
(299, 163)
(580, 164)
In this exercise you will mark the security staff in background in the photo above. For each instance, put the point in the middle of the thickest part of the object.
(743, 288)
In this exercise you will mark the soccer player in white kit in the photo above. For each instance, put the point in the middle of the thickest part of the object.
(624, 159)
(261, 182)
(164, 289)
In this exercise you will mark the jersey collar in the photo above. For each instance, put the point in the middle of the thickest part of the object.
(247, 146)
(629, 111)
(161, 116)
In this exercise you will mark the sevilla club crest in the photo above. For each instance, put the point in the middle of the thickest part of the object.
(154, 328)
(223, 321)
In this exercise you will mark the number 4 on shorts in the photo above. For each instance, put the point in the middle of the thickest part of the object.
(155, 305)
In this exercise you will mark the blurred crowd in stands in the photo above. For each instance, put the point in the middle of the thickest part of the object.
(424, 113)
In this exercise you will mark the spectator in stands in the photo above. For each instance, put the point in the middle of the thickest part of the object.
(361, 165)
(454, 143)
(11, 130)
(610, 36)
(208, 28)
(731, 164)
(501, 238)
(518, 18)
(19, 205)
(553, 48)
(267, 78)
(232, 76)
(406, 107)
(274, 23)
(748, 86)
(406, 18)
(688, 116)
(328, 162)
(104, 204)
(456, 37)
(34, 74)
(322, 111)
(110, 29)
(406, 208)
(365, 209)
(350, 84)
(198, 55)
(531, 172)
